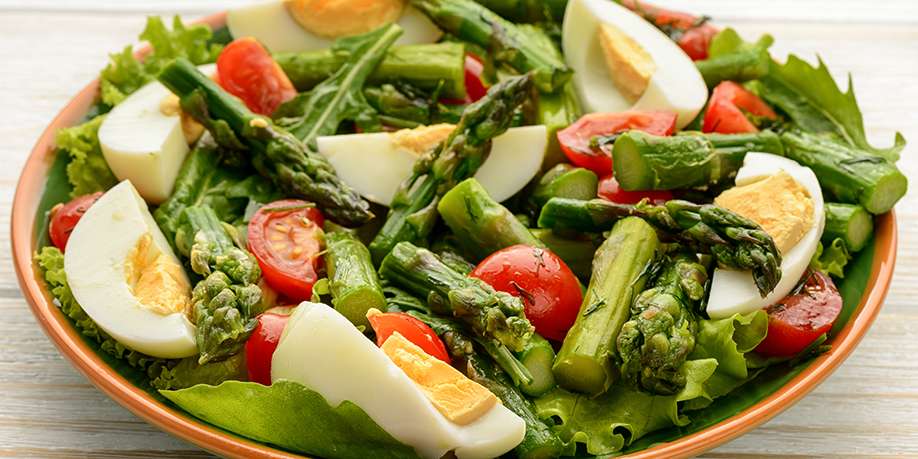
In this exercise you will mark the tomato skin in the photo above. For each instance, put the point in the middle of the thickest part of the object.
(286, 238)
(798, 320)
(475, 87)
(419, 333)
(64, 217)
(611, 191)
(575, 139)
(260, 347)
(246, 70)
(690, 33)
(549, 290)
(727, 110)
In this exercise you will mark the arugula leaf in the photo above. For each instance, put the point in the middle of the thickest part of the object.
(289, 415)
(341, 97)
(832, 259)
(125, 74)
(87, 171)
(812, 99)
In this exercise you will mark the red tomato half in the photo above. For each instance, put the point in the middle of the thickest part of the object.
(260, 347)
(286, 239)
(796, 321)
(691, 33)
(611, 191)
(64, 217)
(576, 139)
(385, 324)
(475, 87)
(728, 107)
(549, 290)
(246, 70)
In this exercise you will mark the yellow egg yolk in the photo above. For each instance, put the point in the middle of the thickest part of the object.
(779, 204)
(423, 139)
(630, 66)
(455, 396)
(342, 18)
(155, 279)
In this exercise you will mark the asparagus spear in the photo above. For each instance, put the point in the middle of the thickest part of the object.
(277, 154)
(691, 159)
(849, 222)
(413, 209)
(619, 272)
(506, 41)
(742, 65)
(480, 223)
(405, 107)
(565, 181)
(223, 304)
(426, 66)
(538, 357)
(575, 250)
(734, 241)
(527, 11)
(654, 344)
(846, 173)
(490, 314)
(353, 282)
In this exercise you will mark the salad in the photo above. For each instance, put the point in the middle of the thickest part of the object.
(417, 228)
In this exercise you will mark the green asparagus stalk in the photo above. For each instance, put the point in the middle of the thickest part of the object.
(734, 241)
(413, 211)
(575, 250)
(506, 41)
(447, 248)
(425, 66)
(654, 344)
(223, 304)
(527, 11)
(849, 222)
(489, 313)
(557, 111)
(538, 357)
(565, 181)
(691, 159)
(406, 107)
(480, 223)
(352, 278)
(584, 363)
(743, 65)
(848, 174)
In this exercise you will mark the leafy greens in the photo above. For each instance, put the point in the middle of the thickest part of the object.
(87, 170)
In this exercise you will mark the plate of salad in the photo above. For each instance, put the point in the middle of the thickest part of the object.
(428, 228)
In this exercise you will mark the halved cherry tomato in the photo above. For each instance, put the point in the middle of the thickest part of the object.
(549, 290)
(728, 107)
(64, 217)
(611, 191)
(692, 33)
(387, 323)
(475, 87)
(246, 70)
(260, 347)
(798, 320)
(286, 239)
(577, 140)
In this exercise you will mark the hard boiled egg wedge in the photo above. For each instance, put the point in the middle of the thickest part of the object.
(622, 62)
(323, 351)
(772, 191)
(126, 277)
(376, 164)
(145, 139)
(272, 23)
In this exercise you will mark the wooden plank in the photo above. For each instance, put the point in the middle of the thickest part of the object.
(49, 410)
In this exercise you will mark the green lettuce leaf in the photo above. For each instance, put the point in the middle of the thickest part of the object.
(729, 41)
(812, 99)
(87, 171)
(728, 341)
(832, 259)
(289, 415)
(126, 74)
(610, 422)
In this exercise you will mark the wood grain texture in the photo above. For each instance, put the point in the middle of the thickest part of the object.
(51, 48)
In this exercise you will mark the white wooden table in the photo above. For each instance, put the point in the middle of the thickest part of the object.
(49, 49)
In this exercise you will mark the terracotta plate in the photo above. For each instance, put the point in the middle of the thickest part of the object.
(144, 404)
